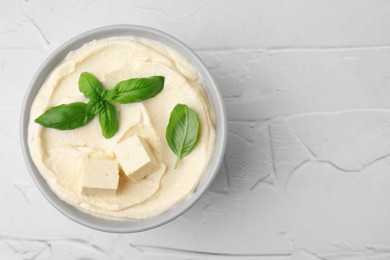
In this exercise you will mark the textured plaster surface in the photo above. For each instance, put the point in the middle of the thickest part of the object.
(306, 174)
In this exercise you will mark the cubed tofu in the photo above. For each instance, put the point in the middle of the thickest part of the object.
(100, 177)
(135, 157)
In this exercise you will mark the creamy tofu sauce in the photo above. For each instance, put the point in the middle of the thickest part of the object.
(59, 155)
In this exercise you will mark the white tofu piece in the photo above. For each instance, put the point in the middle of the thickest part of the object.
(100, 177)
(135, 157)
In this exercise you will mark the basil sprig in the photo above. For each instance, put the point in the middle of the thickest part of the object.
(74, 115)
(183, 131)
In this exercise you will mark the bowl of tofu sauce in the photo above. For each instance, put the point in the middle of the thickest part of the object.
(127, 175)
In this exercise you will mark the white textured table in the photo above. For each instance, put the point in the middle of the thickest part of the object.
(306, 173)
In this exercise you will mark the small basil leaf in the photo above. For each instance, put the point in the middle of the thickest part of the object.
(90, 86)
(66, 117)
(182, 131)
(108, 120)
(135, 90)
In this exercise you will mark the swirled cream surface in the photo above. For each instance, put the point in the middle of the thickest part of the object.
(59, 155)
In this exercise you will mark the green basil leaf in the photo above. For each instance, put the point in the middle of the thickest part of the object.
(108, 120)
(135, 90)
(66, 117)
(91, 87)
(182, 131)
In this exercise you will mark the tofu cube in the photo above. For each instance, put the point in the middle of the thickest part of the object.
(101, 177)
(135, 157)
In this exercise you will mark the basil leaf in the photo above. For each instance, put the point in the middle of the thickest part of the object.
(135, 90)
(91, 87)
(66, 117)
(108, 120)
(182, 131)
